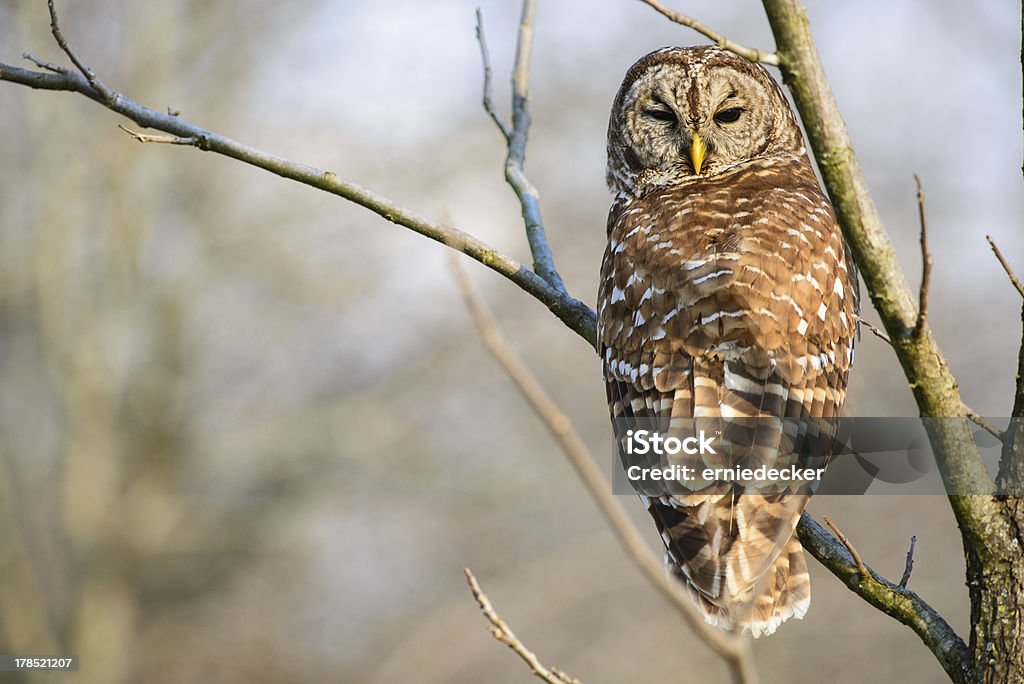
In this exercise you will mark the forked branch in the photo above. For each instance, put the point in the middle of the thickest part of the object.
(575, 314)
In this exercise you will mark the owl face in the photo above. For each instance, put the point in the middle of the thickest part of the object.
(683, 113)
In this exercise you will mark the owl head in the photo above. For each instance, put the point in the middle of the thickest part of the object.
(683, 114)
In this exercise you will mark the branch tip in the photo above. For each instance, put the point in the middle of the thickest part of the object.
(926, 262)
(750, 54)
(909, 566)
(503, 633)
(1006, 265)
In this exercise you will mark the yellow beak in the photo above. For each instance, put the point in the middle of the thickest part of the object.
(697, 151)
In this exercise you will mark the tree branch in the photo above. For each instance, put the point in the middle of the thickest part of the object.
(748, 53)
(575, 314)
(898, 602)
(1006, 265)
(515, 174)
(503, 633)
(935, 389)
(861, 568)
(488, 90)
(734, 649)
(1011, 462)
(909, 565)
(926, 263)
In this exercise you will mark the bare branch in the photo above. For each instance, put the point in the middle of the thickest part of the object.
(984, 424)
(849, 546)
(57, 69)
(971, 413)
(875, 331)
(901, 604)
(734, 649)
(106, 93)
(503, 633)
(745, 52)
(575, 314)
(485, 56)
(926, 264)
(1005, 264)
(909, 567)
(515, 174)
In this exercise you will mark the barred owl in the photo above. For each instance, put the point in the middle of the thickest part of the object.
(727, 292)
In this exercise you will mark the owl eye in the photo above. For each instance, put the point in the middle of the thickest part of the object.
(729, 115)
(661, 114)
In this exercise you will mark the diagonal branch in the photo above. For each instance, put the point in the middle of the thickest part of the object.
(734, 649)
(1006, 265)
(503, 633)
(935, 389)
(747, 53)
(575, 314)
(898, 602)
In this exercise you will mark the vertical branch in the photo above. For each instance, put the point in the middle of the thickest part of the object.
(1011, 463)
(543, 262)
(926, 264)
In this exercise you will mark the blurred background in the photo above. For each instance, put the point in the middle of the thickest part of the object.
(247, 432)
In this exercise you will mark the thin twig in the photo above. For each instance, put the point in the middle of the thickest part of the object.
(515, 174)
(899, 603)
(733, 648)
(849, 546)
(575, 314)
(167, 139)
(909, 567)
(1006, 265)
(984, 424)
(875, 331)
(485, 56)
(503, 633)
(748, 53)
(106, 93)
(968, 411)
(926, 262)
(55, 68)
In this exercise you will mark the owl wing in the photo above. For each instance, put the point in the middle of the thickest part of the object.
(710, 310)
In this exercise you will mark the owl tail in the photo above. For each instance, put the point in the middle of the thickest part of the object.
(783, 592)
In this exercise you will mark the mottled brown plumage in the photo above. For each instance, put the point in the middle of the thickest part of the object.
(725, 295)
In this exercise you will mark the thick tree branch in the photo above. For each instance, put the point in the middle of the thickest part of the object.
(503, 633)
(576, 315)
(893, 600)
(734, 649)
(747, 53)
(935, 389)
